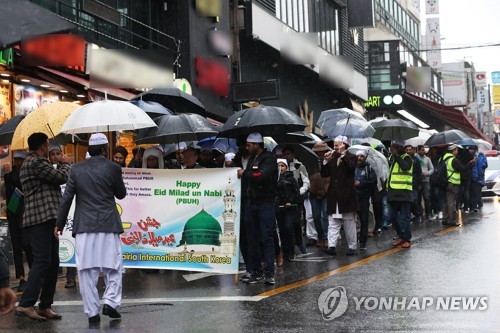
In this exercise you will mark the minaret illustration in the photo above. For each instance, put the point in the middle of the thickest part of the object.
(228, 237)
(203, 234)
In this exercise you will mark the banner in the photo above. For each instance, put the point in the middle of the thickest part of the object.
(483, 101)
(432, 7)
(480, 80)
(176, 219)
(496, 94)
(495, 77)
(454, 84)
(433, 42)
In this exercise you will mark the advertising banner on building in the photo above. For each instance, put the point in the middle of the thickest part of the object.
(454, 84)
(5, 159)
(176, 219)
(483, 101)
(496, 94)
(497, 116)
(433, 42)
(29, 98)
(480, 80)
(495, 77)
(432, 7)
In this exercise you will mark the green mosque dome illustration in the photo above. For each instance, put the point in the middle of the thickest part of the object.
(201, 229)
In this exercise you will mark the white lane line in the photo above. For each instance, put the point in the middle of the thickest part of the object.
(175, 300)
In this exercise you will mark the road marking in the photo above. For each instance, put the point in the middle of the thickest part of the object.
(173, 299)
(444, 231)
(327, 274)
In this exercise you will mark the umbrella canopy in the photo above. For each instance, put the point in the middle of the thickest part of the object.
(394, 129)
(483, 146)
(270, 121)
(374, 143)
(8, 128)
(377, 161)
(48, 119)
(153, 109)
(22, 19)
(300, 137)
(307, 157)
(418, 140)
(344, 122)
(105, 116)
(176, 128)
(446, 137)
(174, 99)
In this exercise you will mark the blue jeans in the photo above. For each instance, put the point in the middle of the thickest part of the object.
(287, 221)
(400, 218)
(320, 217)
(260, 222)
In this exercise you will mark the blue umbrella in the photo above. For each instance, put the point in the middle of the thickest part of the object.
(153, 109)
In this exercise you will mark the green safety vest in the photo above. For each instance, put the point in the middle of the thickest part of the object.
(452, 175)
(400, 179)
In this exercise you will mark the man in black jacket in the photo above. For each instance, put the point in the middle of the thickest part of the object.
(15, 216)
(259, 184)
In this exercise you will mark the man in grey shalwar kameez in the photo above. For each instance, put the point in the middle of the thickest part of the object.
(96, 227)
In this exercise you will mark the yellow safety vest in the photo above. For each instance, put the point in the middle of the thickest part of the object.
(452, 175)
(400, 179)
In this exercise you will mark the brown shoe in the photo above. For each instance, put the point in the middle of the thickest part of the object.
(397, 243)
(279, 260)
(370, 234)
(405, 245)
(325, 244)
(30, 313)
(49, 314)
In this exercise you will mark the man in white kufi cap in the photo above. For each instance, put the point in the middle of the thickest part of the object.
(96, 227)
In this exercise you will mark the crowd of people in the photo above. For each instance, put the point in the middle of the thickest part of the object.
(285, 209)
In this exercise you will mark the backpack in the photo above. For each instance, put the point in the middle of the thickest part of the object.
(439, 177)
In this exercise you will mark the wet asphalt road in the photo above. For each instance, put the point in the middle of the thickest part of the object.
(444, 262)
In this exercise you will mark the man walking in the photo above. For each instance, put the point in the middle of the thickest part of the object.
(427, 170)
(260, 182)
(42, 194)
(400, 193)
(365, 183)
(96, 227)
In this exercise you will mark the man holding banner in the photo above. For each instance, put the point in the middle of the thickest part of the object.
(96, 227)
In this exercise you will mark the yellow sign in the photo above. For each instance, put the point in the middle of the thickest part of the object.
(496, 94)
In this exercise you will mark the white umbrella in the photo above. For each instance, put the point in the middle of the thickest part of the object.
(483, 146)
(418, 140)
(377, 161)
(106, 116)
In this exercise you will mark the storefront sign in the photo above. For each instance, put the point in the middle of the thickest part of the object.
(495, 77)
(176, 219)
(382, 101)
(7, 57)
(454, 84)
(480, 79)
(183, 85)
(54, 50)
(213, 76)
(483, 101)
(496, 94)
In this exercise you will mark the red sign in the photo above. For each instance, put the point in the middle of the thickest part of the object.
(213, 76)
(54, 50)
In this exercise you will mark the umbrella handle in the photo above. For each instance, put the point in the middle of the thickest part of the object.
(54, 137)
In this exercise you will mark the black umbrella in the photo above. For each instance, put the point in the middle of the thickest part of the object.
(446, 137)
(308, 157)
(173, 99)
(153, 109)
(8, 128)
(394, 129)
(176, 128)
(22, 19)
(270, 121)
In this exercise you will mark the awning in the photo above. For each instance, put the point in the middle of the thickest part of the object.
(428, 110)
(120, 93)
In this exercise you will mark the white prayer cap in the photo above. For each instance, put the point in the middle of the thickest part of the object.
(342, 138)
(97, 139)
(282, 160)
(453, 146)
(19, 154)
(87, 155)
(181, 146)
(229, 157)
(255, 138)
(361, 152)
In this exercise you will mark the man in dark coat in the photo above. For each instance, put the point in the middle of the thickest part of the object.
(96, 227)
(259, 182)
(342, 205)
(15, 216)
